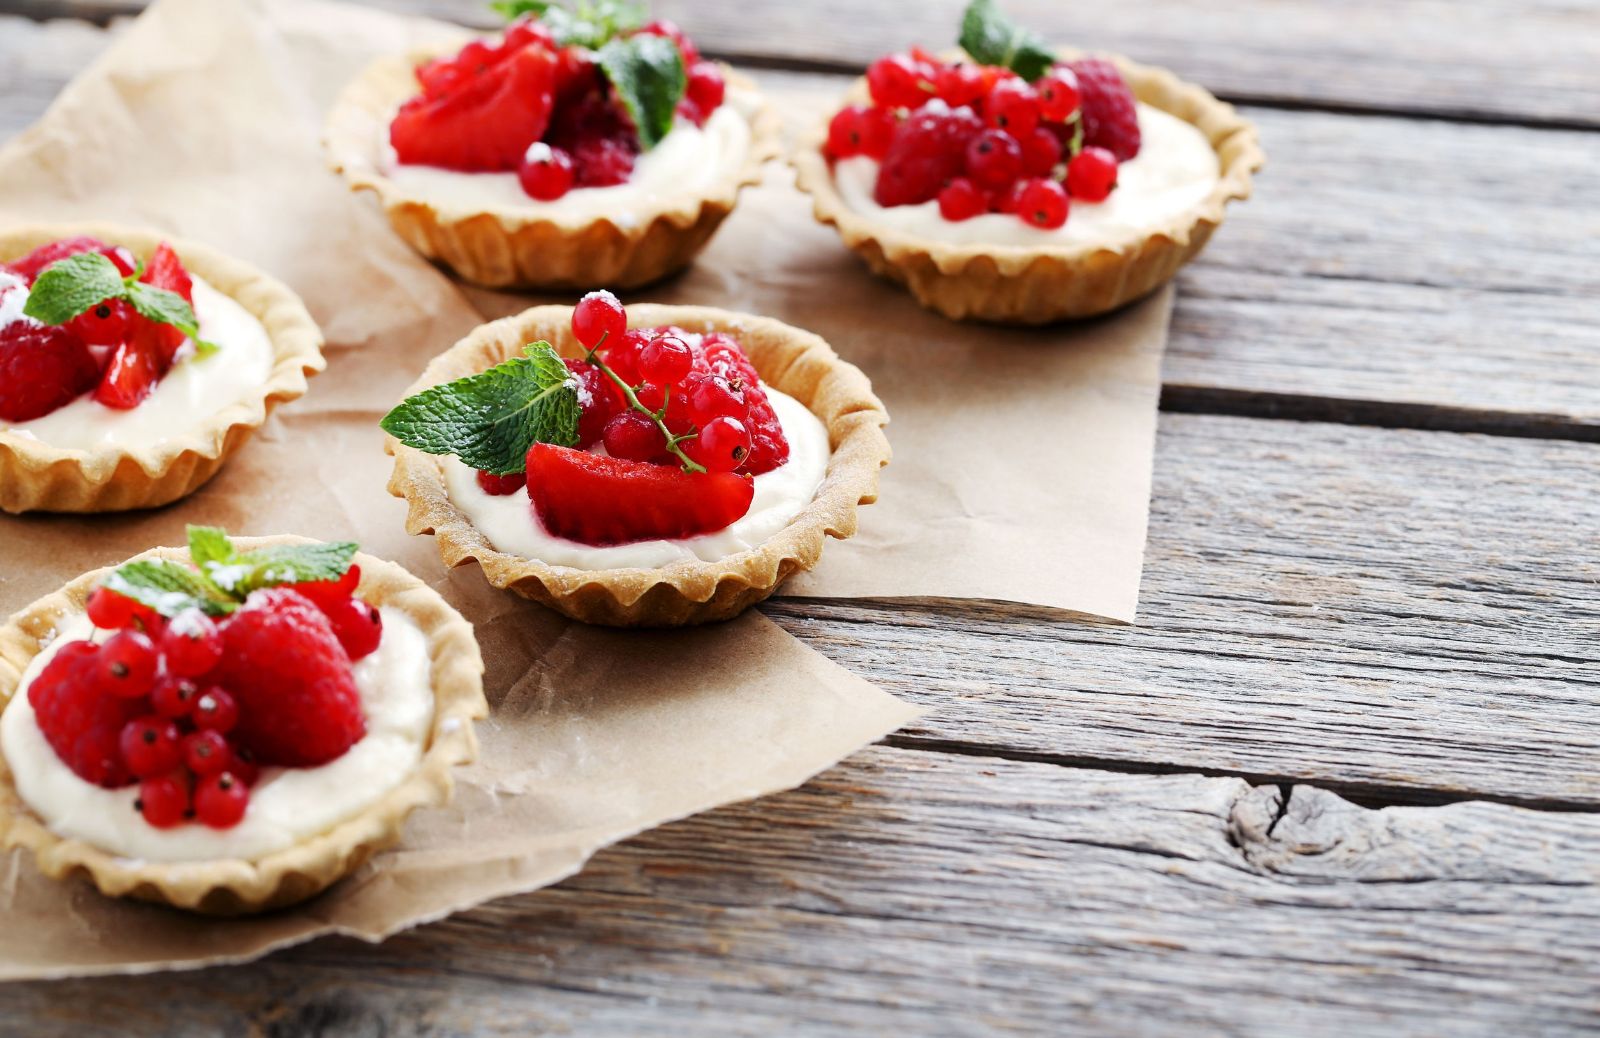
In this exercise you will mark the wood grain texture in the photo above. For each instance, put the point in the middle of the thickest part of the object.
(1400, 614)
(1511, 60)
(929, 895)
(1379, 276)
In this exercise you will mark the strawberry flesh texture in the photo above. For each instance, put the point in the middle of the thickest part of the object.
(41, 368)
(284, 666)
(1110, 116)
(598, 500)
(484, 118)
(926, 152)
(29, 266)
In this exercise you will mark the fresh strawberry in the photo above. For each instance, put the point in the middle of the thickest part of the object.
(41, 368)
(135, 368)
(1110, 117)
(80, 721)
(30, 265)
(166, 271)
(927, 151)
(298, 702)
(594, 499)
(487, 120)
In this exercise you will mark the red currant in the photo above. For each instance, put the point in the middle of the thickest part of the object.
(357, 624)
(959, 84)
(191, 644)
(215, 710)
(206, 752)
(706, 87)
(107, 323)
(599, 317)
(961, 199)
(675, 403)
(722, 445)
(1058, 94)
(1013, 106)
(127, 664)
(716, 397)
(665, 360)
(111, 611)
(861, 131)
(221, 800)
(163, 801)
(1041, 151)
(174, 697)
(1092, 174)
(546, 173)
(500, 486)
(994, 158)
(633, 437)
(242, 763)
(896, 82)
(598, 400)
(623, 355)
(151, 745)
(1043, 203)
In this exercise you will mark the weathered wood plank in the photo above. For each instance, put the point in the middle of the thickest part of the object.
(1516, 60)
(937, 895)
(1343, 291)
(1400, 614)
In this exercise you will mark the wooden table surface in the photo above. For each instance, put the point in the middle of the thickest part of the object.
(1342, 778)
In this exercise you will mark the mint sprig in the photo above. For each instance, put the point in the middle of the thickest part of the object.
(647, 75)
(588, 23)
(992, 38)
(72, 286)
(222, 577)
(491, 419)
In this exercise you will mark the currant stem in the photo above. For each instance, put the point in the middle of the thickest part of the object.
(689, 464)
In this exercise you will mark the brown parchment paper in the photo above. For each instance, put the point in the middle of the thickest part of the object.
(1022, 457)
(203, 119)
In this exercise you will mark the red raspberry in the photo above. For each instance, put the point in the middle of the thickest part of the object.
(1110, 118)
(41, 368)
(598, 399)
(79, 721)
(927, 151)
(597, 134)
(298, 702)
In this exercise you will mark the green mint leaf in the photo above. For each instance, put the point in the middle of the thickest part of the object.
(489, 420)
(511, 10)
(592, 23)
(68, 287)
(647, 75)
(284, 564)
(208, 544)
(168, 587)
(991, 38)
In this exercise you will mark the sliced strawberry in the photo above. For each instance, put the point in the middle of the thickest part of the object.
(133, 371)
(594, 499)
(166, 271)
(41, 368)
(487, 122)
(30, 265)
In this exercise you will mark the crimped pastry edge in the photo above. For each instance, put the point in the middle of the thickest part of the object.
(36, 476)
(793, 361)
(1032, 284)
(238, 886)
(506, 247)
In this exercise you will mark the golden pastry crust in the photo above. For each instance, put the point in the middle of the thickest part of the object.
(36, 476)
(511, 247)
(690, 592)
(1031, 284)
(238, 886)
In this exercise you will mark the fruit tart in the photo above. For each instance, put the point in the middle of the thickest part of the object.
(1012, 183)
(657, 466)
(131, 366)
(234, 727)
(581, 147)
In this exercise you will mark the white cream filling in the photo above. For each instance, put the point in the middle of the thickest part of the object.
(287, 805)
(687, 163)
(1175, 170)
(511, 524)
(195, 389)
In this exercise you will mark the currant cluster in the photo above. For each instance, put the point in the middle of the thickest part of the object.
(981, 139)
(109, 349)
(527, 105)
(190, 707)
